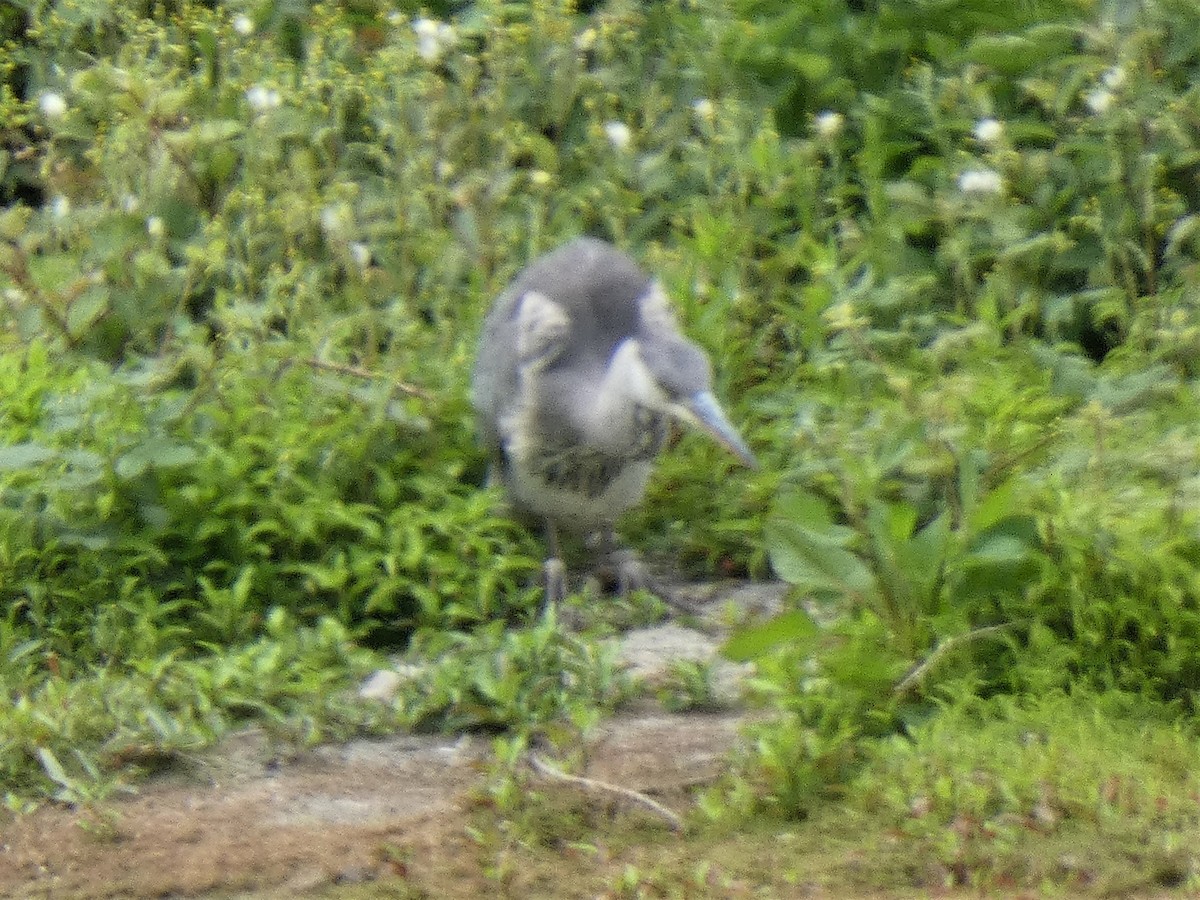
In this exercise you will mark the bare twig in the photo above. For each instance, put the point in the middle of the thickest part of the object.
(357, 372)
(591, 786)
(918, 672)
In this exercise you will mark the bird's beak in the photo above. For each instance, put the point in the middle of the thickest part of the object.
(703, 411)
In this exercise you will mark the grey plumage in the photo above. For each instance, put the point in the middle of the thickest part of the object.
(579, 366)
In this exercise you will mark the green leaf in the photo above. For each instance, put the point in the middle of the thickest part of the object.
(1011, 54)
(805, 509)
(814, 563)
(898, 520)
(994, 506)
(157, 453)
(218, 131)
(1003, 559)
(921, 559)
(53, 768)
(1007, 539)
(86, 310)
(755, 641)
(27, 455)
(13, 221)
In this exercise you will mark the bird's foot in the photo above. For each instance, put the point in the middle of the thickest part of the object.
(554, 573)
(622, 570)
(631, 573)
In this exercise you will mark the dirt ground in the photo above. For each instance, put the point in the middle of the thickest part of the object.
(252, 818)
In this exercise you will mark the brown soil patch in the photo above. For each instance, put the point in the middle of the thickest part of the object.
(332, 815)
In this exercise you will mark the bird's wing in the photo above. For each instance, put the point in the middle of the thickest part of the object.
(542, 330)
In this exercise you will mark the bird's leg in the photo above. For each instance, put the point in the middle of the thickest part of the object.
(554, 571)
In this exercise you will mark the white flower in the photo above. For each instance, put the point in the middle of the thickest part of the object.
(336, 220)
(262, 98)
(585, 40)
(705, 109)
(360, 253)
(1113, 78)
(60, 207)
(1099, 100)
(243, 25)
(433, 37)
(52, 105)
(155, 227)
(829, 124)
(980, 181)
(988, 131)
(130, 203)
(618, 134)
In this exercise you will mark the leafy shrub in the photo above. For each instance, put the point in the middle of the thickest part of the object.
(196, 518)
(1016, 526)
(78, 728)
(825, 55)
(523, 680)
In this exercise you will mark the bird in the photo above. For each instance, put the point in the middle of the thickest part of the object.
(579, 369)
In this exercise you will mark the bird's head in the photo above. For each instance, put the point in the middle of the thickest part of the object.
(663, 371)
(591, 364)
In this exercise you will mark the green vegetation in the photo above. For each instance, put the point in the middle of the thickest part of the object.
(942, 252)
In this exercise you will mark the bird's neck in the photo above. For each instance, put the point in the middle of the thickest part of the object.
(625, 384)
(622, 401)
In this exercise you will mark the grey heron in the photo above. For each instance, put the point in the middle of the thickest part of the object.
(579, 368)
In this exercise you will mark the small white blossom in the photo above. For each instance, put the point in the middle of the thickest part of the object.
(60, 207)
(262, 98)
(15, 296)
(1113, 78)
(705, 109)
(52, 105)
(829, 124)
(155, 227)
(396, 18)
(433, 37)
(243, 25)
(585, 40)
(257, 97)
(360, 253)
(988, 131)
(618, 134)
(130, 203)
(336, 220)
(1099, 100)
(980, 181)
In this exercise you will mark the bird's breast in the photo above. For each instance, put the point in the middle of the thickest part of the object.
(584, 485)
